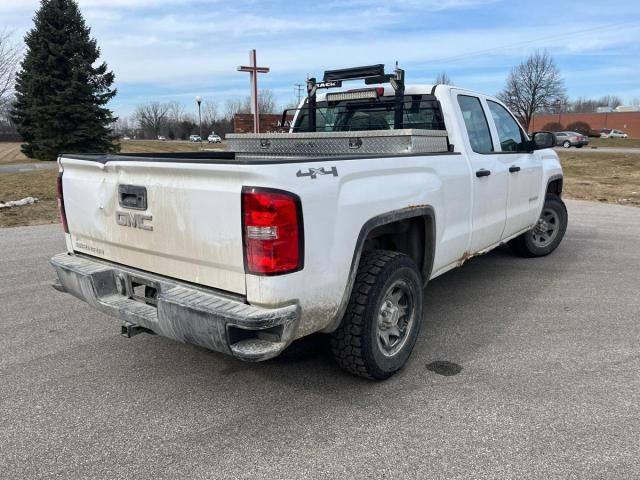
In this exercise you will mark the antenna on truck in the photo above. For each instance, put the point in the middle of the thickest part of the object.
(371, 74)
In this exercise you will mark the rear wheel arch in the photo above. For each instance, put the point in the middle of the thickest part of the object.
(411, 231)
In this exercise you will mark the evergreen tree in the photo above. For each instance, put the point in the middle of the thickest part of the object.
(61, 96)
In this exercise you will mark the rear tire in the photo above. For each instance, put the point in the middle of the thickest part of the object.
(545, 237)
(566, 144)
(382, 321)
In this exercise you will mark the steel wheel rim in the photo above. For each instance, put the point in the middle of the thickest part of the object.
(546, 230)
(395, 318)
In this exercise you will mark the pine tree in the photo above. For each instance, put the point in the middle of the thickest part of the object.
(61, 96)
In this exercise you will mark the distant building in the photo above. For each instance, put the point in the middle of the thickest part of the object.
(628, 108)
(269, 123)
(627, 121)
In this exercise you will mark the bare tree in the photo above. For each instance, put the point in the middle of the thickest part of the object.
(209, 112)
(9, 56)
(233, 106)
(175, 111)
(443, 79)
(152, 116)
(586, 105)
(533, 86)
(266, 101)
(612, 101)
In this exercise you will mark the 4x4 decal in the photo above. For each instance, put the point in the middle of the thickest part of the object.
(314, 172)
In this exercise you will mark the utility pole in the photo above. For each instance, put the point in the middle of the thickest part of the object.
(300, 87)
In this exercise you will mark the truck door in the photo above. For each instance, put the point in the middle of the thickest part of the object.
(525, 171)
(488, 175)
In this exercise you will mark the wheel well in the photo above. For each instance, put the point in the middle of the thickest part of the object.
(555, 186)
(412, 236)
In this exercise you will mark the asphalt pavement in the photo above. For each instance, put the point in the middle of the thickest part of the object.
(549, 386)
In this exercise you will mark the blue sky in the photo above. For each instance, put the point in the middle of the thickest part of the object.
(175, 50)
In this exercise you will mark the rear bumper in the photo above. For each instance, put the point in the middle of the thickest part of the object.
(182, 312)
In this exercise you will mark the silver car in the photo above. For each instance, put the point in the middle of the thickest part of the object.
(612, 133)
(571, 139)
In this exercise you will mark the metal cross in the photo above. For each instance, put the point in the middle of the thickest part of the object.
(254, 70)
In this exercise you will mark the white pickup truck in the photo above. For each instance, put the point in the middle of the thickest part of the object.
(335, 227)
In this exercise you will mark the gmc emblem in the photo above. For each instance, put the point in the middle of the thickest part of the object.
(134, 220)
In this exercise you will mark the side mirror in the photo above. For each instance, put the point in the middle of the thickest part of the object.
(543, 140)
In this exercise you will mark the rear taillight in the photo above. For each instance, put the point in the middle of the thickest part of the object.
(62, 215)
(272, 231)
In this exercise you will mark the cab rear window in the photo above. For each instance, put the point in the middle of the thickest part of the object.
(419, 111)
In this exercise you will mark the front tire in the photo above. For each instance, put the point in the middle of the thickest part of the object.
(545, 237)
(383, 318)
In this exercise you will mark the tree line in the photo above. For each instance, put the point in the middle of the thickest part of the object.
(171, 119)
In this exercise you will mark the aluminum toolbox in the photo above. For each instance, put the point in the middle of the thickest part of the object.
(370, 142)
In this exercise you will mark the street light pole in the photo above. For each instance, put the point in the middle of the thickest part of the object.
(199, 101)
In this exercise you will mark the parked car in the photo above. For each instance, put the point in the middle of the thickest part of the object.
(612, 133)
(195, 138)
(162, 137)
(571, 139)
(214, 138)
(330, 228)
(126, 138)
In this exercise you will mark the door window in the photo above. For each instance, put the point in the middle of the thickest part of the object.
(509, 133)
(476, 124)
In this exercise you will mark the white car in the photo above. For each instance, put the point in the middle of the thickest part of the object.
(335, 227)
(214, 138)
(195, 138)
(162, 137)
(612, 133)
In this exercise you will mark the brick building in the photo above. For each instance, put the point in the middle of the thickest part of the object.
(269, 123)
(628, 122)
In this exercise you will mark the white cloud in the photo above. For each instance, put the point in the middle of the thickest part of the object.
(182, 46)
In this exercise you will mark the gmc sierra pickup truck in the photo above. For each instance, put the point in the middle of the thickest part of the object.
(334, 227)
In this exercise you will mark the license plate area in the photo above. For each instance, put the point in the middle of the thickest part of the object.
(137, 288)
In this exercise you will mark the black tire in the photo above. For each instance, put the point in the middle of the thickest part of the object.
(528, 245)
(566, 144)
(357, 344)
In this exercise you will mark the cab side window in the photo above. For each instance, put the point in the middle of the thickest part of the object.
(509, 132)
(476, 124)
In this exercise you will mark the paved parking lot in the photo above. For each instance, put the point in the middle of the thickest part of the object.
(549, 387)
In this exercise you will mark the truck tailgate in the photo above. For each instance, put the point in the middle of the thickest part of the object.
(189, 229)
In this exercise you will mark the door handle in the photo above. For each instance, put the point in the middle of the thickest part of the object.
(514, 169)
(483, 173)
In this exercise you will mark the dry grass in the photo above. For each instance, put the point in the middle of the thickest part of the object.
(40, 184)
(141, 146)
(612, 178)
(614, 142)
(603, 177)
(10, 151)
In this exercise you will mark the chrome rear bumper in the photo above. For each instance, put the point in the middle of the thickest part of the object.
(176, 310)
